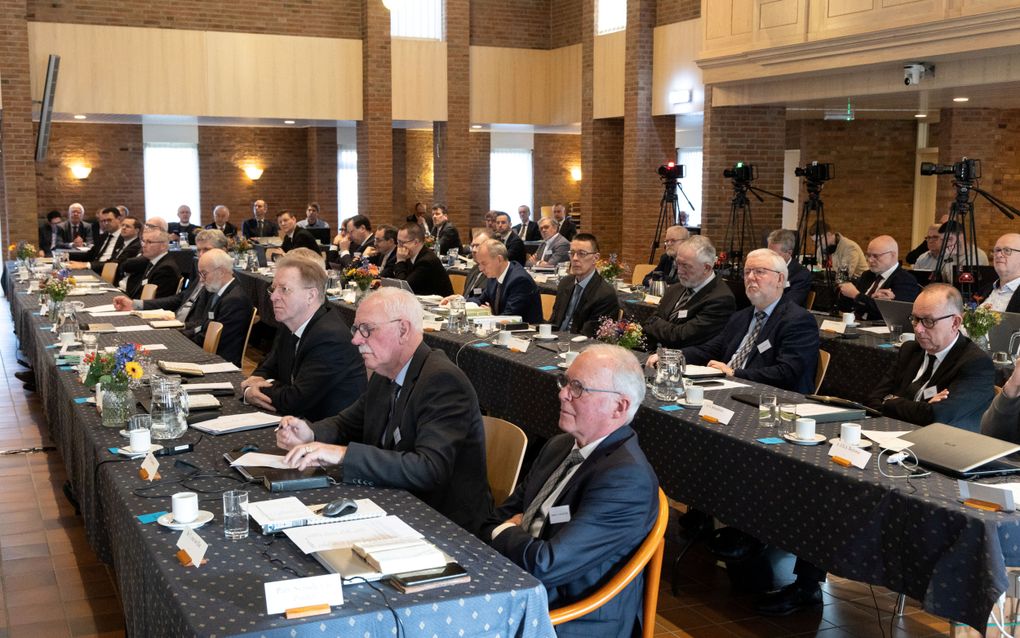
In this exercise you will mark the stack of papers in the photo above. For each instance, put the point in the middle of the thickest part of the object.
(400, 556)
(288, 513)
(344, 534)
(237, 423)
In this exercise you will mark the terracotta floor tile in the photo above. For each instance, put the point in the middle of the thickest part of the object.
(90, 625)
(38, 595)
(49, 629)
(42, 576)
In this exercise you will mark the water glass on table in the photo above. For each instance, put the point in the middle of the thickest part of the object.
(668, 374)
(235, 514)
(895, 331)
(768, 410)
(788, 418)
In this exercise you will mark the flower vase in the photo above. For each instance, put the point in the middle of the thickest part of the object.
(983, 343)
(53, 309)
(359, 294)
(117, 401)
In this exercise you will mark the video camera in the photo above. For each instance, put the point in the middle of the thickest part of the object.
(964, 171)
(741, 172)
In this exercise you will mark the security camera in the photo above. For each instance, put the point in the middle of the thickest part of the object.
(912, 73)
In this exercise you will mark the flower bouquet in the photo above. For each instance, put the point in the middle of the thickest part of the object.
(23, 251)
(978, 320)
(59, 285)
(626, 334)
(239, 245)
(362, 274)
(112, 373)
(610, 268)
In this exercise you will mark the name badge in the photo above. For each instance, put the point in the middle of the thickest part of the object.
(764, 346)
(559, 514)
(929, 392)
(211, 315)
(683, 315)
(476, 292)
(145, 282)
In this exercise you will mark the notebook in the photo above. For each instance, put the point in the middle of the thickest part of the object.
(961, 453)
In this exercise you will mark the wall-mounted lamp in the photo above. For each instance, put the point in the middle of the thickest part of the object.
(575, 173)
(680, 96)
(81, 171)
(253, 172)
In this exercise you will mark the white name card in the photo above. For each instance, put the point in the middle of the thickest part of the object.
(516, 343)
(1004, 494)
(714, 413)
(653, 299)
(833, 326)
(858, 458)
(192, 545)
(282, 595)
(151, 466)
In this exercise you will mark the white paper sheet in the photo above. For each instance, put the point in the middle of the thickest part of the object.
(696, 371)
(816, 409)
(881, 437)
(237, 422)
(343, 535)
(195, 387)
(213, 368)
(257, 459)
(111, 313)
(726, 385)
(103, 308)
(132, 328)
(878, 330)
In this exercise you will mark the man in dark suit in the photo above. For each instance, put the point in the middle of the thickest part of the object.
(884, 279)
(153, 266)
(417, 427)
(383, 251)
(109, 246)
(514, 245)
(527, 230)
(257, 225)
(774, 341)
(510, 290)
(293, 235)
(183, 228)
(1006, 261)
(418, 265)
(75, 232)
(421, 217)
(356, 239)
(590, 497)
(961, 386)
(567, 228)
(696, 308)
(312, 371)
(221, 221)
(798, 285)
(447, 236)
(49, 233)
(584, 297)
(666, 270)
(475, 280)
(224, 301)
(554, 248)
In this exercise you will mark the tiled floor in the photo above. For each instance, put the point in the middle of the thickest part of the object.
(52, 585)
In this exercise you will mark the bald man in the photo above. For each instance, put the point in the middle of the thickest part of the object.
(1006, 261)
(884, 279)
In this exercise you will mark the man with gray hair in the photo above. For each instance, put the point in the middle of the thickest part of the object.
(666, 270)
(75, 232)
(510, 290)
(417, 427)
(696, 308)
(221, 221)
(590, 497)
(527, 230)
(773, 341)
(554, 248)
(224, 301)
(153, 266)
(475, 280)
(798, 284)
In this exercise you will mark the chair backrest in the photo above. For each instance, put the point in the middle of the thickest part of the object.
(823, 365)
(254, 320)
(148, 292)
(458, 282)
(110, 272)
(180, 283)
(640, 270)
(548, 301)
(504, 453)
(647, 557)
(810, 301)
(213, 332)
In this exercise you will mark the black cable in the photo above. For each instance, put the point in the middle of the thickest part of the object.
(396, 617)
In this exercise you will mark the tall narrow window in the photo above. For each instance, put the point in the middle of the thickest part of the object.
(416, 19)
(691, 183)
(347, 182)
(171, 179)
(610, 16)
(511, 180)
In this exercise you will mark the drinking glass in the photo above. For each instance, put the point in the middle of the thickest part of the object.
(235, 514)
(787, 418)
(768, 410)
(668, 374)
(895, 330)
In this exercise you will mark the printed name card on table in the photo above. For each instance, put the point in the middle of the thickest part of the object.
(833, 326)
(854, 455)
(192, 547)
(149, 470)
(715, 414)
(655, 300)
(1001, 496)
(517, 344)
(317, 593)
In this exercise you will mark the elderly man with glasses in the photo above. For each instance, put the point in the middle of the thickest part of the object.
(153, 266)
(884, 279)
(1006, 261)
(417, 427)
(313, 370)
(773, 341)
(590, 497)
(941, 375)
(584, 297)
(666, 270)
(224, 301)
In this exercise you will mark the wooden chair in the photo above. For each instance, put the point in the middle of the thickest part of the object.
(458, 282)
(148, 292)
(180, 284)
(647, 557)
(823, 365)
(254, 320)
(640, 270)
(109, 274)
(213, 332)
(548, 301)
(810, 302)
(504, 453)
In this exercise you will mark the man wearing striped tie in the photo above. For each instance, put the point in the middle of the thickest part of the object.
(774, 341)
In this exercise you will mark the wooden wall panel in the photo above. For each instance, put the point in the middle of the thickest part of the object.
(834, 18)
(610, 59)
(419, 79)
(526, 86)
(564, 85)
(675, 48)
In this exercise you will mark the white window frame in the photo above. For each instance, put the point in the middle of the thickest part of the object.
(693, 160)
(346, 182)
(610, 16)
(418, 19)
(510, 183)
(172, 181)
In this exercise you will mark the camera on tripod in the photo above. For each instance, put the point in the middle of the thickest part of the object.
(671, 171)
(741, 172)
(965, 170)
(816, 172)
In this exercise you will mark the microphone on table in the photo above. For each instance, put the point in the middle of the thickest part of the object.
(177, 449)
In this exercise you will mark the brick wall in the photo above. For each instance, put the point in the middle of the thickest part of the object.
(114, 151)
(522, 24)
(873, 191)
(480, 147)
(320, 18)
(417, 168)
(375, 130)
(670, 11)
(600, 212)
(553, 157)
(564, 23)
(454, 157)
(322, 149)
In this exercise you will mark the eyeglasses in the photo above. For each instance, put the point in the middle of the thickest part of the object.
(580, 253)
(670, 242)
(877, 255)
(932, 237)
(1005, 251)
(150, 242)
(202, 274)
(286, 290)
(927, 322)
(365, 329)
(576, 387)
(757, 272)
(405, 242)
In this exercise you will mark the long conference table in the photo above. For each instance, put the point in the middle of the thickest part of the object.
(225, 596)
(914, 537)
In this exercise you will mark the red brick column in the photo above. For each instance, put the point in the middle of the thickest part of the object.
(322, 149)
(375, 130)
(19, 217)
(452, 144)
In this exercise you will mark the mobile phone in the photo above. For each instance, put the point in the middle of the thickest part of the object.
(425, 576)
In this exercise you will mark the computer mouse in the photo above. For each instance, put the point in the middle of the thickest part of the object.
(340, 507)
(250, 447)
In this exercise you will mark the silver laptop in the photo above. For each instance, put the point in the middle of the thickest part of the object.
(896, 313)
(961, 453)
(998, 336)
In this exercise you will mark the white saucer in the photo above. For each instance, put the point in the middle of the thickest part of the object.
(167, 520)
(792, 438)
(562, 365)
(132, 454)
(863, 445)
(683, 401)
(538, 336)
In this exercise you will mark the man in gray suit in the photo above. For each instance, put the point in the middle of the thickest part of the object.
(554, 247)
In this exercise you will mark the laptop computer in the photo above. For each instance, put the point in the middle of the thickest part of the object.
(998, 336)
(896, 313)
(961, 453)
(321, 235)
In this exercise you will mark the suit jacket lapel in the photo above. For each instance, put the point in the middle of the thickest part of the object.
(413, 371)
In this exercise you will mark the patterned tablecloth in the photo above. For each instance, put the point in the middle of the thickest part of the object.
(225, 596)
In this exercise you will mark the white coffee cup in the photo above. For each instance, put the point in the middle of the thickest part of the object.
(184, 507)
(545, 330)
(141, 440)
(906, 336)
(695, 395)
(850, 433)
(805, 429)
(849, 318)
(570, 356)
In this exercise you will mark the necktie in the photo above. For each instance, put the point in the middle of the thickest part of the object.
(102, 250)
(388, 441)
(185, 309)
(53, 238)
(741, 356)
(148, 269)
(535, 507)
(671, 278)
(497, 303)
(916, 389)
(874, 286)
(541, 251)
(565, 324)
(680, 303)
(524, 230)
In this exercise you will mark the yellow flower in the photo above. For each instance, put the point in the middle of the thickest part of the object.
(133, 369)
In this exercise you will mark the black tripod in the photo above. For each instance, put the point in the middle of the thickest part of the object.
(812, 216)
(741, 220)
(669, 212)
